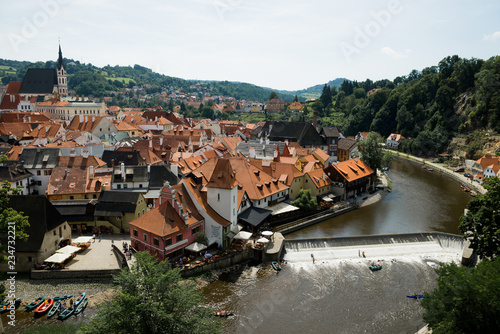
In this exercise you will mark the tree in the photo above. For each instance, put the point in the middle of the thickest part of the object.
(153, 299)
(9, 215)
(372, 152)
(273, 95)
(296, 99)
(326, 96)
(466, 299)
(481, 224)
(305, 201)
(202, 238)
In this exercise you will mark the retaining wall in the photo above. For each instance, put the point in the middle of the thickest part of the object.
(219, 263)
(64, 273)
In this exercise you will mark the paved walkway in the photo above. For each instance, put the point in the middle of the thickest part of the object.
(99, 256)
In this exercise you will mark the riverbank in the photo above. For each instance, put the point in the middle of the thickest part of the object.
(441, 168)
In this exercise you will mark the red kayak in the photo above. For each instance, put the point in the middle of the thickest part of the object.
(44, 307)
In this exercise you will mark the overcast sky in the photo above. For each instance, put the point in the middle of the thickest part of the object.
(282, 44)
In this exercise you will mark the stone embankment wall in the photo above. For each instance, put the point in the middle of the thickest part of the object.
(73, 274)
(220, 263)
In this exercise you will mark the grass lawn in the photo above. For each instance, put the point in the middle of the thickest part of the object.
(119, 79)
(5, 67)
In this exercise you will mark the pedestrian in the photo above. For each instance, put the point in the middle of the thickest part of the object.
(312, 256)
(364, 254)
(93, 237)
(100, 236)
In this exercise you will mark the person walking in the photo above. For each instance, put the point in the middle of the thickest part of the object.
(93, 237)
(364, 254)
(100, 237)
(312, 256)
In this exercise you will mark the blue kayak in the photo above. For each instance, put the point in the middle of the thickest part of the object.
(415, 296)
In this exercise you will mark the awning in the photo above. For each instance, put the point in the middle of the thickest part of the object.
(236, 228)
(242, 235)
(327, 199)
(254, 216)
(154, 193)
(81, 240)
(58, 258)
(196, 247)
(68, 250)
(282, 208)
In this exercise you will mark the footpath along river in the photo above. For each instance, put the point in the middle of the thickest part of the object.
(343, 296)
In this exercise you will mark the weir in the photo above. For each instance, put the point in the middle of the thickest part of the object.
(376, 246)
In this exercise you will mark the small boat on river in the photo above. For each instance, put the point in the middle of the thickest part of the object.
(79, 309)
(53, 310)
(276, 266)
(375, 267)
(34, 304)
(44, 307)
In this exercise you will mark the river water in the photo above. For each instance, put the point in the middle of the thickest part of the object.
(341, 295)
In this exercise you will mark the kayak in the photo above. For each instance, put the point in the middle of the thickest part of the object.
(62, 297)
(34, 304)
(80, 298)
(66, 313)
(54, 309)
(276, 266)
(5, 307)
(81, 306)
(44, 307)
(415, 296)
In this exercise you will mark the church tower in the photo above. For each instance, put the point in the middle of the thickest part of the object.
(62, 80)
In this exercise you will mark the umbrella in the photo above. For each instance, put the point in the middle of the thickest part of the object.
(208, 255)
(267, 233)
(243, 235)
(263, 240)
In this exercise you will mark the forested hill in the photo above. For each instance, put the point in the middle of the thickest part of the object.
(314, 91)
(458, 96)
(91, 80)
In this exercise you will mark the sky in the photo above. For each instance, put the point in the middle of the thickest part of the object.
(281, 44)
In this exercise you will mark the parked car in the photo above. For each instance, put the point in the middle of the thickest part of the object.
(466, 174)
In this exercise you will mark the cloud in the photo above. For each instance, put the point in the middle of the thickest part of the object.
(492, 37)
(388, 51)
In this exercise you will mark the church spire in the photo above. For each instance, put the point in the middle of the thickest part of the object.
(60, 59)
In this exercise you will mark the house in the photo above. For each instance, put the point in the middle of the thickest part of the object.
(285, 173)
(350, 178)
(394, 140)
(486, 166)
(346, 148)
(17, 176)
(317, 182)
(158, 175)
(331, 136)
(301, 132)
(39, 162)
(275, 105)
(96, 125)
(79, 213)
(119, 208)
(47, 231)
(129, 158)
(134, 178)
(168, 228)
(296, 106)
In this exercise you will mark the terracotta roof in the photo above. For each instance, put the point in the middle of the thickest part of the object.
(14, 153)
(321, 154)
(76, 180)
(13, 87)
(80, 161)
(223, 176)
(319, 178)
(489, 161)
(161, 221)
(87, 124)
(395, 137)
(353, 169)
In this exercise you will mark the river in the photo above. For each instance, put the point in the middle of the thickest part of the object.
(342, 296)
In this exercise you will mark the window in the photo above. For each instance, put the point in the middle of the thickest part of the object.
(234, 199)
(94, 196)
(125, 186)
(38, 172)
(168, 242)
(30, 259)
(145, 237)
(135, 233)
(118, 186)
(156, 242)
(140, 185)
(72, 197)
(195, 230)
(39, 183)
(179, 238)
(54, 232)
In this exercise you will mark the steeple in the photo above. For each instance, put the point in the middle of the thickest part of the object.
(60, 59)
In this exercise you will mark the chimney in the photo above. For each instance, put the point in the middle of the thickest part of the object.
(81, 118)
(85, 154)
(186, 218)
(112, 163)
(93, 119)
(251, 152)
(122, 167)
(156, 118)
(315, 120)
(150, 143)
(86, 119)
(267, 141)
(149, 170)
(161, 141)
(91, 172)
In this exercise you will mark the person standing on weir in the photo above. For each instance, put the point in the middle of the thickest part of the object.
(312, 256)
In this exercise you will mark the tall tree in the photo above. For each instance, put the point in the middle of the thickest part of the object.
(326, 96)
(296, 99)
(9, 216)
(481, 224)
(466, 300)
(273, 95)
(305, 201)
(153, 299)
(372, 152)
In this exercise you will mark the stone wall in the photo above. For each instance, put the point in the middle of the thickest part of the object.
(219, 263)
(64, 273)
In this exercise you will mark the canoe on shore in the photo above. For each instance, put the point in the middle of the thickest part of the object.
(5, 307)
(54, 308)
(66, 313)
(80, 298)
(79, 309)
(276, 266)
(34, 304)
(62, 297)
